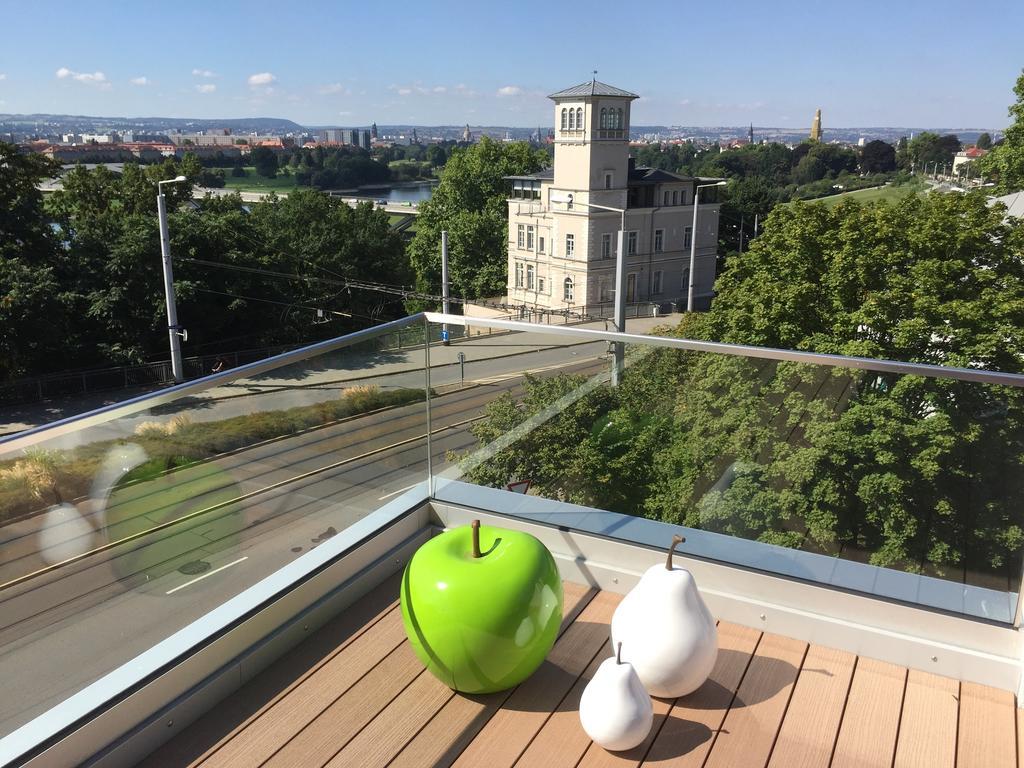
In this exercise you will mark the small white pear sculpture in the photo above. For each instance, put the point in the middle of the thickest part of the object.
(615, 710)
(670, 633)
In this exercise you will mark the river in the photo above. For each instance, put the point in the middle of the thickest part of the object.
(408, 192)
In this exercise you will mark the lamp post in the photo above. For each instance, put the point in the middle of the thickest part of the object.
(693, 242)
(173, 329)
(620, 279)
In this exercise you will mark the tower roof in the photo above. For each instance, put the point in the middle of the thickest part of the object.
(592, 88)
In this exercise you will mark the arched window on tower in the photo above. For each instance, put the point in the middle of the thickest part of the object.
(567, 289)
(572, 119)
(565, 118)
(604, 117)
(579, 118)
(620, 123)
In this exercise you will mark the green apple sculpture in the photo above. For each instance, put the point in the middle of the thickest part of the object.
(481, 607)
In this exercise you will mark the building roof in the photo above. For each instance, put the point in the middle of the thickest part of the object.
(593, 88)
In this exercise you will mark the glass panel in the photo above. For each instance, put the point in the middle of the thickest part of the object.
(118, 534)
(903, 486)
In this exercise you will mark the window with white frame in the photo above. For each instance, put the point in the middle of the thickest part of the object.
(579, 118)
(631, 240)
(687, 237)
(570, 245)
(565, 118)
(529, 277)
(606, 246)
(519, 274)
(529, 237)
(658, 276)
(659, 240)
(568, 290)
(572, 119)
(540, 284)
(540, 244)
(521, 242)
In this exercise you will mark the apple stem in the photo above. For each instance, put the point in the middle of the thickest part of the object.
(475, 525)
(618, 654)
(676, 540)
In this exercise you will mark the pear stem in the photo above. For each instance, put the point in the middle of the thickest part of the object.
(676, 540)
(618, 654)
(475, 525)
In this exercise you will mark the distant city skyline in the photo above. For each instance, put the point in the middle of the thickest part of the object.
(447, 63)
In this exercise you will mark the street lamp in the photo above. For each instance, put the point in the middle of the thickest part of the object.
(620, 278)
(693, 242)
(173, 329)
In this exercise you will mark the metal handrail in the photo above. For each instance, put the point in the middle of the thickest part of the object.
(107, 413)
(978, 375)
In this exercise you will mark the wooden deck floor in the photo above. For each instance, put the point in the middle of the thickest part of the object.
(355, 695)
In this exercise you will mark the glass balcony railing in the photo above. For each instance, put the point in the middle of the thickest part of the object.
(897, 480)
(124, 526)
(132, 535)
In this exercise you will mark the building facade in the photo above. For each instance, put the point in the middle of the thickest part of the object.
(562, 255)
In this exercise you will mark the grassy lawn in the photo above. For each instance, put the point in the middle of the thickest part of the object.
(888, 192)
(252, 182)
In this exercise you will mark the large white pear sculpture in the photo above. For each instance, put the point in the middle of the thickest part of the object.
(669, 631)
(615, 710)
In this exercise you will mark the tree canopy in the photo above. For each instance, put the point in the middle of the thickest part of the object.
(471, 204)
(81, 280)
(1005, 163)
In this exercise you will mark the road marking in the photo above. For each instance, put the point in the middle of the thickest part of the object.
(205, 575)
(515, 375)
(395, 493)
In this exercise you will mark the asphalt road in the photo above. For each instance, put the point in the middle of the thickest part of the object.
(64, 628)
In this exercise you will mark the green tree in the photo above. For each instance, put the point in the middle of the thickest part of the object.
(1005, 162)
(32, 315)
(470, 203)
(984, 141)
(878, 157)
(265, 161)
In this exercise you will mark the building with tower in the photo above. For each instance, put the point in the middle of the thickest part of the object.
(562, 254)
(816, 126)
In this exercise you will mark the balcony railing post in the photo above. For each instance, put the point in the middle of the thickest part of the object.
(426, 389)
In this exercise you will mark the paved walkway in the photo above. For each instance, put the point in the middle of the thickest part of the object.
(395, 365)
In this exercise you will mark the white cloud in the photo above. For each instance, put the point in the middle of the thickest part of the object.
(97, 79)
(203, 73)
(510, 90)
(439, 89)
(139, 81)
(206, 88)
(404, 91)
(345, 113)
(333, 88)
(262, 78)
(3, 76)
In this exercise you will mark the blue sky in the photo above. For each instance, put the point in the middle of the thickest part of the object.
(897, 63)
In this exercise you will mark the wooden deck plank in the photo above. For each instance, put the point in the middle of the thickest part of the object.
(867, 736)
(439, 741)
(987, 737)
(340, 722)
(694, 721)
(753, 721)
(231, 716)
(302, 704)
(811, 725)
(562, 740)
(928, 725)
(509, 732)
(386, 734)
